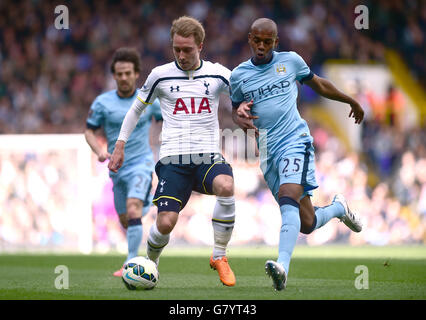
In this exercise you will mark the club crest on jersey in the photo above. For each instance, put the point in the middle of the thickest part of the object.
(180, 105)
(206, 84)
(173, 88)
(162, 183)
(280, 68)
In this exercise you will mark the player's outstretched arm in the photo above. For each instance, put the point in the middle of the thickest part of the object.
(326, 89)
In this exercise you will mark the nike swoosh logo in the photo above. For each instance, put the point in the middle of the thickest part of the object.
(244, 81)
(130, 278)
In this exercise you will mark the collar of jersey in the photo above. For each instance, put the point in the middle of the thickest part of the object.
(177, 66)
(131, 97)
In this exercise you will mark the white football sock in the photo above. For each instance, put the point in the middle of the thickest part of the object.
(156, 243)
(223, 224)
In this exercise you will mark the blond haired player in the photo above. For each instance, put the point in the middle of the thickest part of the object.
(190, 160)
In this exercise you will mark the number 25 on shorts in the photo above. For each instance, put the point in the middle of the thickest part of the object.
(291, 165)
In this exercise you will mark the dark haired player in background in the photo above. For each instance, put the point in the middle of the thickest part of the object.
(132, 185)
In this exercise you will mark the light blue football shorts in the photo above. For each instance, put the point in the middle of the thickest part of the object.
(132, 181)
(294, 165)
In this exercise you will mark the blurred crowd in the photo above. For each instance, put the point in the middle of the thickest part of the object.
(35, 192)
(49, 78)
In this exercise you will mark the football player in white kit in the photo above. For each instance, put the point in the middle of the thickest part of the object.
(188, 90)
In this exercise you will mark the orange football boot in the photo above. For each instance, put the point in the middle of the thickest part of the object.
(119, 272)
(225, 273)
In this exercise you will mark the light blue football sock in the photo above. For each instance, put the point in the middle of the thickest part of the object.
(325, 214)
(134, 237)
(290, 228)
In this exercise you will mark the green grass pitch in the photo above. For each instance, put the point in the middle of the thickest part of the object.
(324, 272)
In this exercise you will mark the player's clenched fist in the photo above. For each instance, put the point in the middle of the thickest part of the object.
(103, 156)
(117, 157)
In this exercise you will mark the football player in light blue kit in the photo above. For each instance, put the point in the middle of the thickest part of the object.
(132, 184)
(264, 96)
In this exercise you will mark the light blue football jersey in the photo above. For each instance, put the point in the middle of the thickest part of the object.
(108, 111)
(273, 89)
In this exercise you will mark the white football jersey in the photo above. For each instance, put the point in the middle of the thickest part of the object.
(189, 105)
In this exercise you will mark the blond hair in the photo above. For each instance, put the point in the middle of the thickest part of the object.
(186, 26)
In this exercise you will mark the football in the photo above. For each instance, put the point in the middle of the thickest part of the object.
(140, 274)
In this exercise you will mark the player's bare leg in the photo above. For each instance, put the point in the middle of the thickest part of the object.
(123, 220)
(223, 225)
(307, 215)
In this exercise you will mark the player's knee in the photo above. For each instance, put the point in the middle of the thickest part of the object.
(291, 190)
(166, 221)
(224, 187)
(308, 225)
(134, 209)
(165, 227)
